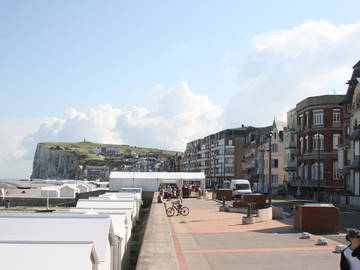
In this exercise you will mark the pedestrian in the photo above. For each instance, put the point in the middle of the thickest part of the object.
(350, 256)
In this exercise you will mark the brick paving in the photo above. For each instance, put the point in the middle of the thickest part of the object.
(209, 239)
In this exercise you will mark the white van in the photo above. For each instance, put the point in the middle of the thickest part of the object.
(240, 187)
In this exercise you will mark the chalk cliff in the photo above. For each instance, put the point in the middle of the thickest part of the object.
(55, 164)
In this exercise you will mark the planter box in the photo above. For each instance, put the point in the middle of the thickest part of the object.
(316, 218)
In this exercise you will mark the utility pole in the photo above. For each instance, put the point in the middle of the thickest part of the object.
(318, 167)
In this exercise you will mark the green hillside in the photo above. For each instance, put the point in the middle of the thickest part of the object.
(83, 150)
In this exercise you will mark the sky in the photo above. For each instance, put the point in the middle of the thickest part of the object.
(162, 73)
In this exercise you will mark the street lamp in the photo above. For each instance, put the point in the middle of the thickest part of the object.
(318, 166)
(270, 163)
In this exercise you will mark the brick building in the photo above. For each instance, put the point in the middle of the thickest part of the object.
(318, 134)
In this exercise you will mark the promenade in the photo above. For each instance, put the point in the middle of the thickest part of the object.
(209, 239)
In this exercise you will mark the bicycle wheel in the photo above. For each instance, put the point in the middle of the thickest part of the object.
(184, 211)
(170, 211)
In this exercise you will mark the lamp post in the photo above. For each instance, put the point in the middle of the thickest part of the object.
(318, 166)
(270, 163)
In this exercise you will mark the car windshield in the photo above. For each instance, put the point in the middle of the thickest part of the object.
(242, 186)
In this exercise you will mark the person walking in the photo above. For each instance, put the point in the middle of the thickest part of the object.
(350, 256)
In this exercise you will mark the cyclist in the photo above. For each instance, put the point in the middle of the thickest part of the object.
(178, 202)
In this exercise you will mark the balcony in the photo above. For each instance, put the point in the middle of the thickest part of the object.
(306, 183)
(250, 165)
(230, 146)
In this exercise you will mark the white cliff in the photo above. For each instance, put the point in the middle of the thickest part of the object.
(55, 164)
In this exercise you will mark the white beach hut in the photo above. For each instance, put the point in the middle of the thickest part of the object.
(44, 255)
(50, 192)
(109, 204)
(68, 190)
(54, 227)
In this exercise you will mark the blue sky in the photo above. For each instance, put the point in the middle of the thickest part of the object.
(113, 71)
(60, 54)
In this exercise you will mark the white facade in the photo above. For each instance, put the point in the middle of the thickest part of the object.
(68, 190)
(51, 227)
(20, 255)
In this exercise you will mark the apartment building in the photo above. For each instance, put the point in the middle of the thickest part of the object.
(318, 132)
(349, 149)
(290, 148)
(256, 163)
(218, 155)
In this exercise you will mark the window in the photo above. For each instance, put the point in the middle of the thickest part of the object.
(318, 142)
(335, 170)
(275, 179)
(274, 148)
(318, 117)
(230, 142)
(336, 116)
(301, 146)
(335, 141)
(274, 163)
(306, 170)
(307, 119)
(301, 121)
(301, 170)
(306, 143)
(315, 171)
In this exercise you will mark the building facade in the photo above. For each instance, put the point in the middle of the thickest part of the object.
(318, 134)
(218, 155)
(257, 162)
(290, 148)
(349, 149)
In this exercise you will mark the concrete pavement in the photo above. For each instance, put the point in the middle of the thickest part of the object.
(209, 239)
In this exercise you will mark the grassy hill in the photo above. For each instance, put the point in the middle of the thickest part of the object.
(83, 150)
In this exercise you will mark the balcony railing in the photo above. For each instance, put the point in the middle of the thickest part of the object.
(306, 183)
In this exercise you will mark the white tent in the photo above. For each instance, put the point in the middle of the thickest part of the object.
(150, 181)
(45, 255)
(55, 227)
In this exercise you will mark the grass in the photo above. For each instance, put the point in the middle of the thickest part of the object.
(86, 147)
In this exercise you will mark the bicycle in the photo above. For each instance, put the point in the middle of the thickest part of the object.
(183, 210)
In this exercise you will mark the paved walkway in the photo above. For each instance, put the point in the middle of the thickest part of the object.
(209, 239)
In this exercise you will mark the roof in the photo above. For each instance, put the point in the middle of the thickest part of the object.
(127, 212)
(158, 175)
(51, 188)
(111, 204)
(119, 220)
(19, 255)
(55, 227)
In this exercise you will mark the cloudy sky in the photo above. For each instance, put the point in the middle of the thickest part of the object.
(161, 73)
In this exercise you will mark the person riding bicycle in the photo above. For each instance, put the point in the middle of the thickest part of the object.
(178, 202)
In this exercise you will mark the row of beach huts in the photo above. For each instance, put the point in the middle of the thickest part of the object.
(94, 235)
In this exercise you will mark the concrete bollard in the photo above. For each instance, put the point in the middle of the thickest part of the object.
(321, 242)
(339, 248)
(304, 235)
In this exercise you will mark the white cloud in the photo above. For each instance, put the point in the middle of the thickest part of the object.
(287, 66)
(181, 116)
(284, 67)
